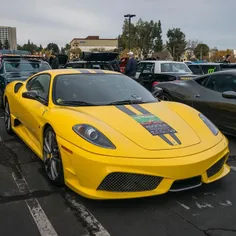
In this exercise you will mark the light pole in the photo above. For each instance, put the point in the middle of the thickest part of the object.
(129, 16)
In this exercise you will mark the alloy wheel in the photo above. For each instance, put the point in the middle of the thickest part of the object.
(7, 117)
(51, 156)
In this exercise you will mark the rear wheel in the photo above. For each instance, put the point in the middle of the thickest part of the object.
(165, 97)
(52, 158)
(7, 118)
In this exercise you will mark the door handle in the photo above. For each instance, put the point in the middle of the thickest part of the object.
(197, 95)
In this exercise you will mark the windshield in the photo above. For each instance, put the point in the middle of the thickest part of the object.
(26, 66)
(175, 67)
(99, 89)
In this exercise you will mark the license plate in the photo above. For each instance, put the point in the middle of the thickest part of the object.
(185, 78)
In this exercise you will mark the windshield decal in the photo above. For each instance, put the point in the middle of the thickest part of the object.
(212, 70)
(153, 124)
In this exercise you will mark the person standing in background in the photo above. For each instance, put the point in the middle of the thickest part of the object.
(131, 66)
(54, 62)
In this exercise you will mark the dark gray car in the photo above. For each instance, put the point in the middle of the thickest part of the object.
(214, 95)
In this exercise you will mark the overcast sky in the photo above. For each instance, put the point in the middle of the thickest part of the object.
(59, 21)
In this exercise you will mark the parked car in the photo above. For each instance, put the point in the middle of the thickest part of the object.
(207, 68)
(96, 60)
(213, 94)
(106, 137)
(18, 67)
(123, 62)
(150, 73)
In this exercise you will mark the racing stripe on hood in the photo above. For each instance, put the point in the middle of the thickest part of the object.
(140, 109)
(151, 123)
(126, 110)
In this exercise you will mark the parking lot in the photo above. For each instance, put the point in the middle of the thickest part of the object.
(31, 205)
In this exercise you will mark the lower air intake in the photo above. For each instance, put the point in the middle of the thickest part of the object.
(216, 167)
(128, 182)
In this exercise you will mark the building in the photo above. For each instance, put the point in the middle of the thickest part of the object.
(92, 43)
(8, 33)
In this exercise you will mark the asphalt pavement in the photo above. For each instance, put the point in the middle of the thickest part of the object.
(30, 205)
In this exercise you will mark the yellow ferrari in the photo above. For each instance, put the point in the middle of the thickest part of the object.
(106, 137)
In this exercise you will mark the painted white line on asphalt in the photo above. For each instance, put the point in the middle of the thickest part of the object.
(183, 205)
(44, 225)
(233, 168)
(91, 222)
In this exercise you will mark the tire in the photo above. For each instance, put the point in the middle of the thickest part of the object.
(1, 99)
(52, 158)
(165, 97)
(7, 118)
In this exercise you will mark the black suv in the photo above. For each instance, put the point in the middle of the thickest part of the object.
(96, 60)
(16, 67)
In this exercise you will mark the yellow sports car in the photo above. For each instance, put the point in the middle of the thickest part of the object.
(107, 137)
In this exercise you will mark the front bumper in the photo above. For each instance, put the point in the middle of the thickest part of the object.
(104, 177)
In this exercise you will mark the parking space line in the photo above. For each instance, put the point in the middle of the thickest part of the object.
(91, 222)
(233, 168)
(44, 225)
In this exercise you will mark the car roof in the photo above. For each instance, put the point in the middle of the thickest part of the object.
(158, 61)
(203, 64)
(78, 71)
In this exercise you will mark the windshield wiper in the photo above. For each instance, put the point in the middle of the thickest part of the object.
(123, 102)
(77, 103)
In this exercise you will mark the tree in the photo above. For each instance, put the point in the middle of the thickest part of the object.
(53, 47)
(124, 37)
(75, 52)
(29, 46)
(1, 45)
(40, 48)
(192, 44)
(158, 42)
(176, 42)
(6, 44)
(146, 34)
(202, 50)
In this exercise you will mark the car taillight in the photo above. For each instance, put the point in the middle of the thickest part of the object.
(155, 83)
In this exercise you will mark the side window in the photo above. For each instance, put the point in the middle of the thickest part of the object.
(222, 83)
(195, 69)
(148, 68)
(139, 67)
(41, 84)
(203, 80)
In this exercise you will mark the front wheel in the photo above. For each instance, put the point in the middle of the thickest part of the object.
(1, 99)
(52, 158)
(7, 118)
(165, 97)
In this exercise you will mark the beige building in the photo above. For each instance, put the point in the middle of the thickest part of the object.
(93, 43)
(8, 33)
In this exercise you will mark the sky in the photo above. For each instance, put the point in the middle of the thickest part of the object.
(59, 21)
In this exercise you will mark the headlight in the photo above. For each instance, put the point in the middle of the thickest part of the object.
(93, 135)
(209, 124)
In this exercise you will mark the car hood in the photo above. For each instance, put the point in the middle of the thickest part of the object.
(152, 126)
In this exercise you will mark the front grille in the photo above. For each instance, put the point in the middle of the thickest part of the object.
(216, 167)
(184, 184)
(128, 182)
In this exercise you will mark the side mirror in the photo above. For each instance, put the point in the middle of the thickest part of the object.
(229, 94)
(30, 95)
(157, 92)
